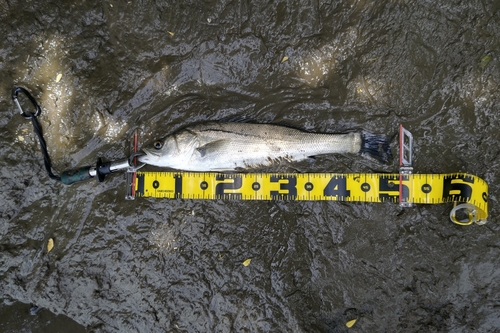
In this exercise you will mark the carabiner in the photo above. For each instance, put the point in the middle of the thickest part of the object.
(15, 94)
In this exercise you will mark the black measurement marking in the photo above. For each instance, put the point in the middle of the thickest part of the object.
(389, 189)
(453, 189)
(337, 186)
(289, 187)
(220, 188)
(426, 188)
(308, 186)
(178, 185)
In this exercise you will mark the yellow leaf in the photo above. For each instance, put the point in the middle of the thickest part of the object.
(50, 245)
(285, 58)
(350, 323)
(485, 61)
(171, 33)
(247, 262)
(58, 78)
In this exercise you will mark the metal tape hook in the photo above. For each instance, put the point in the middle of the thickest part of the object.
(467, 214)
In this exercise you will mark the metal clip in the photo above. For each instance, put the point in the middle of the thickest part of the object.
(405, 162)
(405, 147)
(131, 171)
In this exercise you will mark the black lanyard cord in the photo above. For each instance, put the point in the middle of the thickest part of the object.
(43, 145)
(36, 126)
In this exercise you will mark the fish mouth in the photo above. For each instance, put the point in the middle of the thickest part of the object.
(148, 156)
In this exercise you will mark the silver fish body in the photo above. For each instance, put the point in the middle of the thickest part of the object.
(235, 146)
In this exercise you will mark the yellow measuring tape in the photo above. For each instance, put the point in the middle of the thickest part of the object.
(469, 191)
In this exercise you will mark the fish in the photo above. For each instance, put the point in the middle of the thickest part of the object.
(238, 146)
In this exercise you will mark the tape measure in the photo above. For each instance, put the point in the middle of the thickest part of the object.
(355, 187)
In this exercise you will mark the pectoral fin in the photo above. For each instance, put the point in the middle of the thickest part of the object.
(213, 147)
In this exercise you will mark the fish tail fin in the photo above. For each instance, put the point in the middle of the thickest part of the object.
(377, 146)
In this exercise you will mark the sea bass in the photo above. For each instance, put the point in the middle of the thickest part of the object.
(237, 146)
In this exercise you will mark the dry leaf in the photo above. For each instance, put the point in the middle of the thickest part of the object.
(485, 61)
(285, 58)
(171, 33)
(247, 262)
(20, 138)
(58, 78)
(350, 323)
(50, 245)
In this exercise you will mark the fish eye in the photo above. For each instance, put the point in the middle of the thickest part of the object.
(158, 144)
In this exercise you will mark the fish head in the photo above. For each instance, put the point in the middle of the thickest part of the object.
(151, 156)
(171, 151)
